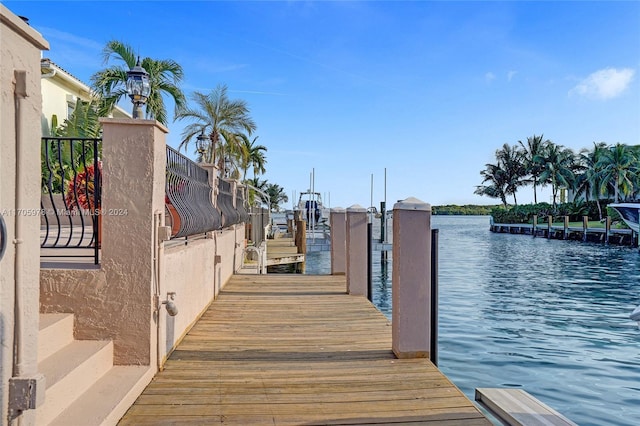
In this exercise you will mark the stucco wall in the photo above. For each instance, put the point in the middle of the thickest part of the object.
(20, 47)
(118, 300)
(189, 272)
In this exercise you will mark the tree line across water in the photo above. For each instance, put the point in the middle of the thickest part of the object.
(584, 181)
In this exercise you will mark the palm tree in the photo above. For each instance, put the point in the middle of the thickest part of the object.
(260, 185)
(221, 119)
(497, 179)
(252, 155)
(535, 145)
(164, 77)
(557, 164)
(588, 180)
(276, 196)
(511, 161)
(619, 166)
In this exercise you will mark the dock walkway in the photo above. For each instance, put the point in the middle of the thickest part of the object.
(296, 349)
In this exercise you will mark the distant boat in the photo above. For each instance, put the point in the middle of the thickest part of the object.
(630, 213)
(317, 217)
(314, 212)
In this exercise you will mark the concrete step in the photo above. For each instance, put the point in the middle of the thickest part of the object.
(108, 399)
(56, 332)
(69, 372)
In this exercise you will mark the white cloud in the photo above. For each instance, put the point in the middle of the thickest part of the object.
(605, 84)
(510, 75)
(489, 76)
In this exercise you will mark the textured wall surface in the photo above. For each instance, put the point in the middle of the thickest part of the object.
(117, 301)
(20, 49)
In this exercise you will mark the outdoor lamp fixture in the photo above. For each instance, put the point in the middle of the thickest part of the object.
(201, 144)
(227, 166)
(138, 88)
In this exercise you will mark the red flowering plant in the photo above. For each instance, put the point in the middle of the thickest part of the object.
(81, 189)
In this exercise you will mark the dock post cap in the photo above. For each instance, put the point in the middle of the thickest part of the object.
(337, 210)
(412, 203)
(356, 208)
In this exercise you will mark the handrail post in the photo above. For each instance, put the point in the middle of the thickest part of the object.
(566, 227)
(585, 227)
(411, 279)
(549, 223)
(535, 225)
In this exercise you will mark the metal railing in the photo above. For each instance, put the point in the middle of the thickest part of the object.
(240, 205)
(230, 216)
(188, 197)
(3, 236)
(71, 196)
(259, 219)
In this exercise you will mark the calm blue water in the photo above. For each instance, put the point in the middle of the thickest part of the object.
(549, 316)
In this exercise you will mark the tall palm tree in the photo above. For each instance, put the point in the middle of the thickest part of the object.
(164, 77)
(588, 179)
(619, 166)
(218, 117)
(512, 162)
(497, 181)
(252, 156)
(558, 164)
(534, 146)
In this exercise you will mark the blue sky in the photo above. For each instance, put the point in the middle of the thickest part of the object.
(427, 90)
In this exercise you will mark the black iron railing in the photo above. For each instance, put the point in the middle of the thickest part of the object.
(259, 219)
(71, 197)
(188, 197)
(240, 205)
(230, 215)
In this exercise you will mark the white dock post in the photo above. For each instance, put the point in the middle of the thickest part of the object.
(356, 247)
(411, 279)
(338, 220)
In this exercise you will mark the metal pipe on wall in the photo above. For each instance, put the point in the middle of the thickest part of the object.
(20, 93)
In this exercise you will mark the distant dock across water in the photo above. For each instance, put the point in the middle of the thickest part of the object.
(564, 231)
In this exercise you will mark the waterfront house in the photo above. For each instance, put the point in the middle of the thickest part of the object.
(61, 90)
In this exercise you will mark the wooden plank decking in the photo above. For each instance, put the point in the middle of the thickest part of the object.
(295, 349)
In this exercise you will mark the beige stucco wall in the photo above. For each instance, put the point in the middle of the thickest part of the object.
(189, 272)
(117, 301)
(20, 47)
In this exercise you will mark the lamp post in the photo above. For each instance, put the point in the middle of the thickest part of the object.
(201, 145)
(138, 88)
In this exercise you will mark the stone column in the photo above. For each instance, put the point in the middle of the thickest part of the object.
(411, 279)
(135, 158)
(356, 250)
(338, 220)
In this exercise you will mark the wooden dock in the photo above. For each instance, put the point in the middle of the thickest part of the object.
(296, 349)
(562, 232)
(283, 251)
